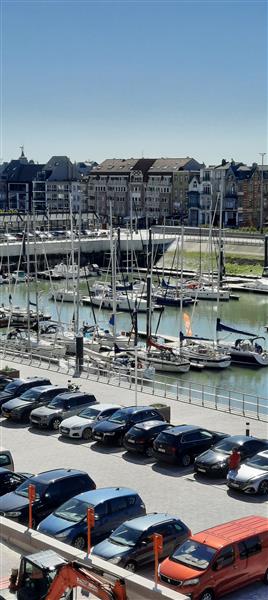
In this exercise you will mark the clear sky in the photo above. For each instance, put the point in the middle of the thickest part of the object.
(104, 79)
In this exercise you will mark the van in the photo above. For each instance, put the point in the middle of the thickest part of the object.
(219, 560)
(6, 459)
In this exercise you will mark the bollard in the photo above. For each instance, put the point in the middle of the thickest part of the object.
(158, 549)
(31, 496)
(90, 523)
(247, 428)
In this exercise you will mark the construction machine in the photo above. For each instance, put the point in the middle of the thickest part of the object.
(47, 576)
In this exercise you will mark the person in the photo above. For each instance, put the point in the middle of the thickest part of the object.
(234, 460)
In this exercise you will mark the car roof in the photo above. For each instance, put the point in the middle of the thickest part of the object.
(146, 521)
(145, 425)
(177, 429)
(101, 407)
(44, 388)
(69, 395)
(3, 470)
(56, 474)
(132, 410)
(233, 531)
(102, 494)
(241, 439)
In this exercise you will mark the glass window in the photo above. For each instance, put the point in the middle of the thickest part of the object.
(31, 394)
(118, 504)
(4, 460)
(194, 554)
(40, 488)
(125, 535)
(84, 400)
(131, 500)
(225, 557)
(249, 547)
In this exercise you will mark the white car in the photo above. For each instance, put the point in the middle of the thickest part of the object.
(252, 475)
(79, 426)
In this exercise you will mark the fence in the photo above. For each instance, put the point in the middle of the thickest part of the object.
(214, 397)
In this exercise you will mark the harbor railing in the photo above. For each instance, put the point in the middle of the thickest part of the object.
(183, 390)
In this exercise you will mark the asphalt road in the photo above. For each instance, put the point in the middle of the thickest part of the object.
(199, 503)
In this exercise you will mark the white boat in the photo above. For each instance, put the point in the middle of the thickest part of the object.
(122, 363)
(32, 345)
(124, 302)
(63, 271)
(247, 352)
(19, 277)
(163, 358)
(63, 295)
(208, 293)
(201, 353)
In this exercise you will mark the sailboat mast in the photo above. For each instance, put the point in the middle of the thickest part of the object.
(181, 278)
(35, 276)
(113, 266)
(28, 284)
(220, 242)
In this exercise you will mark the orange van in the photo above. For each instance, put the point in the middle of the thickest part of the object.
(219, 560)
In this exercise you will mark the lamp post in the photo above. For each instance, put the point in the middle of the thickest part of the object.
(262, 154)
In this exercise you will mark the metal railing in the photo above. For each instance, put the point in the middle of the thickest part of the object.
(217, 398)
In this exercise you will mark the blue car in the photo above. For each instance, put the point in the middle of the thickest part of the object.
(111, 506)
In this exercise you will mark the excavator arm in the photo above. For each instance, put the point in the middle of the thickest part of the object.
(72, 575)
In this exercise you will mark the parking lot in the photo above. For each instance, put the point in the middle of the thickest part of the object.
(200, 503)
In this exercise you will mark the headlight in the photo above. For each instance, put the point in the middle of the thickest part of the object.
(13, 514)
(76, 428)
(116, 560)
(218, 466)
(109, 434)
(194, 581)
(62, 535)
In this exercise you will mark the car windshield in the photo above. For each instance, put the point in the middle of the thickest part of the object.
(258, 462)
(57, 402)
(225, 446)
(125, 536)
(89, 413)
(13, 386)
(40, 488)
(194, 554)
(30, 395)
(118, 417)
(74, 510)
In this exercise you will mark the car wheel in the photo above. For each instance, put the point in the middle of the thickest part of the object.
(265, 578)
(186, 460)
(263, 488)
(207, 595)
(79, 542)
(131, 566)
(55, 423)
(149, 452)
(87, 434)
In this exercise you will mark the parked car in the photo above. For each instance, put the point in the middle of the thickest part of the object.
(252, 476)
(182, 443)
(62, 406)
(111, 507)
(214, 461)
(19, 409)
(17, 387)
(52, 489)
(114, 428)
(131, 546)
(219, 560)
(6, 459)
(4, 381)
(80, 426)
(140, 437)
(9, 480)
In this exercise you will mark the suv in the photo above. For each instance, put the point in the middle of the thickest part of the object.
(20, 409)
(111, 507)
(131, 545)
(182, 443)
(62, 406)
(52, 488)
(17, 387)
(114, 428)
(80, 425)
(140, 438)
(215, 461)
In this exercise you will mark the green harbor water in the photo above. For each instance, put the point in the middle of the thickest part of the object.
(250, 313)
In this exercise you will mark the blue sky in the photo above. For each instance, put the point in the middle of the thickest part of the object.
(118, 79)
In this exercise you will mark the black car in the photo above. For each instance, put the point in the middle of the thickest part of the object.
(17, 387)
(182, 443)
(19, 409)
(214, 461)
(140, 437)
(9, 481)
(4, 381)
(131, 546)
(114, 428)
(52, 489)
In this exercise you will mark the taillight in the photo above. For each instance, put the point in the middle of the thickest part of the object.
(173, 450)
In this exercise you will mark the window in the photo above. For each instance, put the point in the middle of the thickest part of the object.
(177, 527)
(4, 460)
(118, 504)
(131, 500)
(225, 557)
(249, 547)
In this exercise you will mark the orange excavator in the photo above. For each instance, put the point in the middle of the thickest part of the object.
(47, 576)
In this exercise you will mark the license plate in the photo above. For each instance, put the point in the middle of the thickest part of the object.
(201, 470)
(161, 450)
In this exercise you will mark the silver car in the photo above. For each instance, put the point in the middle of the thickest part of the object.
(252, 476)
(79, 426)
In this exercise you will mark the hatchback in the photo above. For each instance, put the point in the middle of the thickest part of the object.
(19, 409)
(182, 443)
(215, 460)
(62, 406)
(80, 426)
(9, 480)
(140, 437)
(52, 489)
(252, 476)
(114, 428)
(131, 545)
(17, 387)
(111, 507)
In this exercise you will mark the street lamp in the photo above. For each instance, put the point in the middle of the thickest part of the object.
(262, 154)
